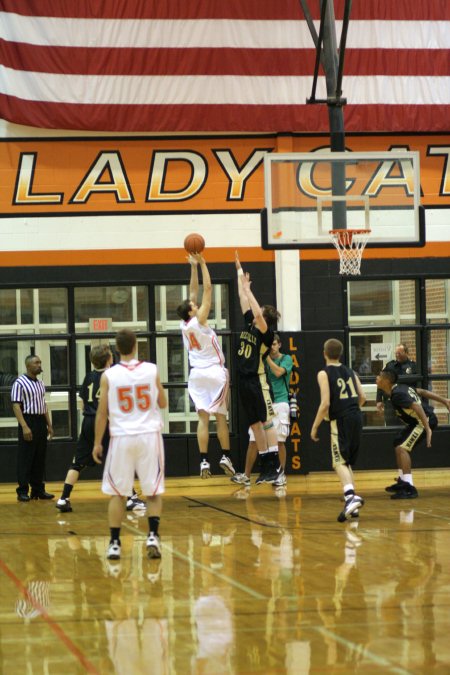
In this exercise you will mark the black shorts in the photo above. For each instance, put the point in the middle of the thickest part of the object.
(413, 434)
(85, 443)
(255, 399)
(346, 435)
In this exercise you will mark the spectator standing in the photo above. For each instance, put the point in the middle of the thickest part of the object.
(278, 370)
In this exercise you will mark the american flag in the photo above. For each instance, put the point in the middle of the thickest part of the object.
(210, 65)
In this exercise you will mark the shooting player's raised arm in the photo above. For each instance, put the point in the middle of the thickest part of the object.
(193, 283)
(204, 309)
(245, 305)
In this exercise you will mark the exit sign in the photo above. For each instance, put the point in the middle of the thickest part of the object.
(100, 325)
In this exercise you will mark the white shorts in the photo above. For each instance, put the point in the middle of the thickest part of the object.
(142, 454)
(208, 388)
(281, 422)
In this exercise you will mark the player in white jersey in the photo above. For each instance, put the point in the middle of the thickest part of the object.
(131, 395)
(208, 381)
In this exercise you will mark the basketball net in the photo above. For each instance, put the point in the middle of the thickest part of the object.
(350, 245)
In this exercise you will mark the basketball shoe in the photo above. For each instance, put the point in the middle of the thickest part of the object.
(153, 546)
(63, 505)
(270, 475)
(135, 504)
(241, 479)
(113, 550)
(351, 505)
(205, 469)
(407, 491)
(227, 466)
(355, 513)
(398, 485)
(281, 480)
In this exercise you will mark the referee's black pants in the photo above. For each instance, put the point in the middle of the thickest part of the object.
(31, 455)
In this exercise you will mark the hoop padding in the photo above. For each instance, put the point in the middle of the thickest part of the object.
(350, 245)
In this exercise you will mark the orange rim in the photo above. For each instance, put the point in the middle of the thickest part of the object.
(345, 237)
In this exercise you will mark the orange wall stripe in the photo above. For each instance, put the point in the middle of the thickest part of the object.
(152, 256)
(213, 255)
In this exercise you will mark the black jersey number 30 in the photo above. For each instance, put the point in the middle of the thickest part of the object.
(246, 350)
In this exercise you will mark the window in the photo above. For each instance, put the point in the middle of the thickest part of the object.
(59, 409)
(36, 321)
(442, 388)
(382, 314)
(52, 304)
(122, 305)
(40, 310)
(437, 294)
(387, 302)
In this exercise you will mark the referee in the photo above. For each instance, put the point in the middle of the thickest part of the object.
(35, 426)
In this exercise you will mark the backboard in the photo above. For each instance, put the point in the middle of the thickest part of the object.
(309, 194)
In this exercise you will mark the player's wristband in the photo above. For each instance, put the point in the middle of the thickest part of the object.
(240, 272)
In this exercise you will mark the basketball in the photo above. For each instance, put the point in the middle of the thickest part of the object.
(194, 243)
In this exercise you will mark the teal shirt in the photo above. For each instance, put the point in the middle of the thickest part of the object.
(280, 385)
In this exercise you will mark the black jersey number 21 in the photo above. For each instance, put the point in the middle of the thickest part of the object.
(342, 384)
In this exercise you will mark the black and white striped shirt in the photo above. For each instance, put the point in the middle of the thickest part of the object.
(30, 394)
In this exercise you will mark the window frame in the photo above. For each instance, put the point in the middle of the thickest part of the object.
(72, 336)
(421, 327)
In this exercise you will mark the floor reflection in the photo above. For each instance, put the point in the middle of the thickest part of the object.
(254, 584)
(215, 634)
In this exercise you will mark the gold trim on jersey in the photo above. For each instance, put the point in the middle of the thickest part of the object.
(336, 457)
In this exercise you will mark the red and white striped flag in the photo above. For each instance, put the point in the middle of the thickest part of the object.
(209, 65)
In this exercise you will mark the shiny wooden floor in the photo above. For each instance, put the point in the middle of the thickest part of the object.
(249, 582)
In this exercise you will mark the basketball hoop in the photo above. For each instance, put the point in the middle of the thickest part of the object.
(350, 245)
